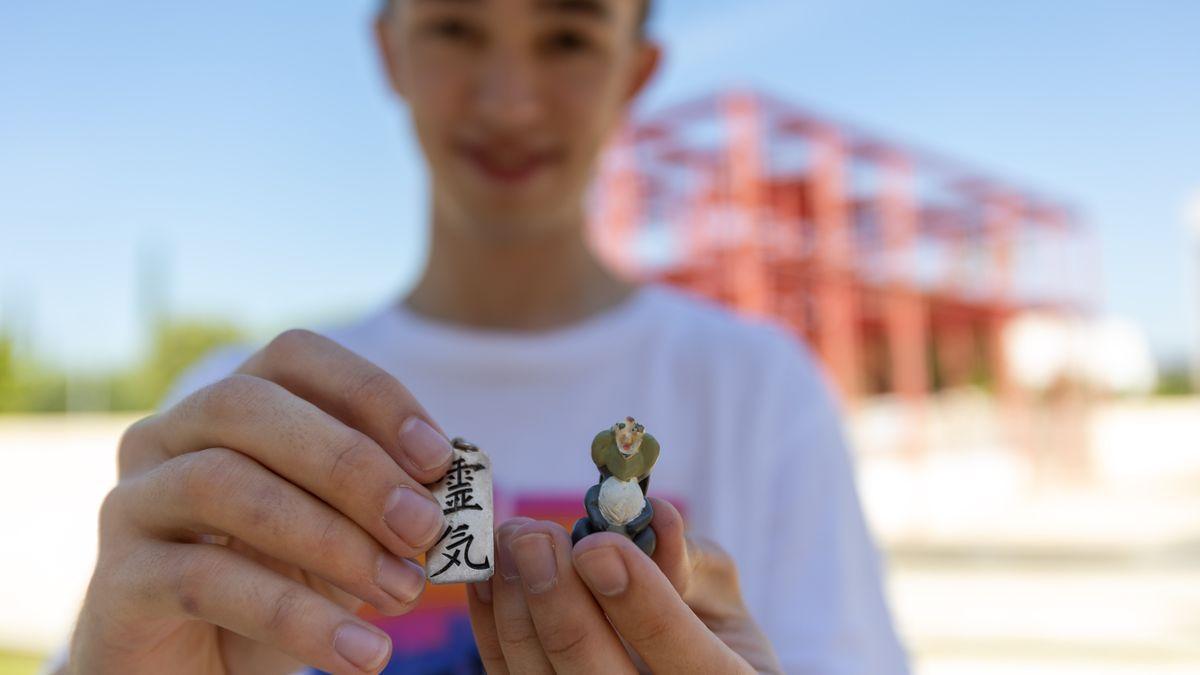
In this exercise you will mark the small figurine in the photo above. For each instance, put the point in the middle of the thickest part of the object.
(464, 551)
(625, 454)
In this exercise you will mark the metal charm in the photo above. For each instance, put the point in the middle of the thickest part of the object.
(464, 553)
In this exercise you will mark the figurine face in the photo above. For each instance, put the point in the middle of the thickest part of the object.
(629, 436)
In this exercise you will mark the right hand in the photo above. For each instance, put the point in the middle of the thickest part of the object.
(603, 606)
(251, 520)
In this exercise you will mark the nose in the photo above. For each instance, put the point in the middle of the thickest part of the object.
(507, 94)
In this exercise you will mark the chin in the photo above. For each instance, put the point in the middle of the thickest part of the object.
(512, 217)
(506, 225)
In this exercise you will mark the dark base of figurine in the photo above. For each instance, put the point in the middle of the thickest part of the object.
(637, 529)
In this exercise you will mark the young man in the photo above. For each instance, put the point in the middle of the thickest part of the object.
(280, 492)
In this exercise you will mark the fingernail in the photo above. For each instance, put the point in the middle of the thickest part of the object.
(482, 591)
(425, 446)
(534, 554)
(417, 520)
(504, 557)
(400, 578)
(363, 647)
(505, 564)
(603, 570)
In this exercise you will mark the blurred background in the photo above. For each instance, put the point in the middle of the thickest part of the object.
(984, 217)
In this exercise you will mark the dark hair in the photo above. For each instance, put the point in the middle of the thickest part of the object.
(644, 15)
(643, 12)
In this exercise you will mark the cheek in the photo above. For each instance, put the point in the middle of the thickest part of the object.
(587, 107)
(437, 89)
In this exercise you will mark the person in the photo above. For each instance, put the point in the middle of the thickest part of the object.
(270, 517)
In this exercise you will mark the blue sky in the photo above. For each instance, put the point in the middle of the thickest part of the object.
(253, 148)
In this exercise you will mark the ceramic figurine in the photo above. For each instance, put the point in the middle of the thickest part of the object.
(625, 454)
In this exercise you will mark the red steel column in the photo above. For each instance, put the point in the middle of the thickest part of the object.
(837, 306)
(1003, 219)
(746, 172)
(904, 306)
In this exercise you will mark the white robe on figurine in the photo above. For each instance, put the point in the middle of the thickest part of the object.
(620, 500)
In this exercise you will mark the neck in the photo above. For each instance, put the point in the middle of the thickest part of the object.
(537, 282)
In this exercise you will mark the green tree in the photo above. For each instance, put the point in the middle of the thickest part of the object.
(27, 386)
(1175, 380)
(174, 347)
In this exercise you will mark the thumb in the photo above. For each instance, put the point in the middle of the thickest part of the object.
(701, 571)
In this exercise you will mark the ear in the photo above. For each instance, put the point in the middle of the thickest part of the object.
(646, 62)
(389, 52)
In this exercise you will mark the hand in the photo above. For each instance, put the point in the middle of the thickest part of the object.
(680, 612)
(252, 519)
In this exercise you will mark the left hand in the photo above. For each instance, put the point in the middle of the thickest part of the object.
(680, 612)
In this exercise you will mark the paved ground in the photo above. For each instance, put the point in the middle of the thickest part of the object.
(1076, 563)
(988, 616)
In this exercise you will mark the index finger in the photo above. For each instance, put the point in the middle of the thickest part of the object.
(574, 635)
(646, 610)
(701, 571)
(360, 394)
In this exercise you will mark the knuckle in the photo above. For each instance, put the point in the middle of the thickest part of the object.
(650, 629)
(203, 475)
(352, 462)
(722, 564)
(518, 636)
(197, 573)
(718, 555)
(712, 558)
(289, 343)
(112, 510)
(330, 535)
(373, 389)
(131, 573)
(285, 611)
(360, 578)
(343, 552)
(564, 639)
(113, 501)
(231, 398)
(134, 446)
(265, 506)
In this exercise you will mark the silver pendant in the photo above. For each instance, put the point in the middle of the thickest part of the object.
(464, 553)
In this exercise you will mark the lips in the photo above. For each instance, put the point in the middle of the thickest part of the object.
(508, 165)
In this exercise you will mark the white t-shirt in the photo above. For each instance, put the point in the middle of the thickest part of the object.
(752, 452)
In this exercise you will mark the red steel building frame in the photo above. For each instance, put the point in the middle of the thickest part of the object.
(899, 267)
